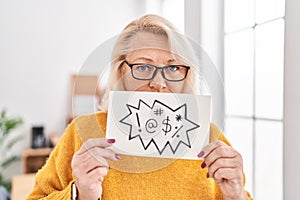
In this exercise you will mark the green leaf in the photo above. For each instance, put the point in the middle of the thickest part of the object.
(10, 124)
(2, 139)
(7, 124)
(7, 185)
(13, 141)
(3, 112)
(9, 161)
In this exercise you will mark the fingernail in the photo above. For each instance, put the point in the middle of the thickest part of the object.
(207, 175)
(201, 154)
(203, 165)
(118, 157)
(111, 141)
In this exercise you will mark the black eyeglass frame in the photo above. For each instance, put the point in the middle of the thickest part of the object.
(155, 72)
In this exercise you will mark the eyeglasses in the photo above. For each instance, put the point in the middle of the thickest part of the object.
(142, 71)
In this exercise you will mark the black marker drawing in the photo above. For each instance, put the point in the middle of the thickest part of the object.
(167, 127)
(138, 121)
(158, 112)
(177, 131)
(178, 118)
(159, 125)
(151, 125)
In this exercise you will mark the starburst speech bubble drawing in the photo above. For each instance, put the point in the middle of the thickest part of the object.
(160, 125)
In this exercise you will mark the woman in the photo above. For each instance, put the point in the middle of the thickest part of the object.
(83, 167)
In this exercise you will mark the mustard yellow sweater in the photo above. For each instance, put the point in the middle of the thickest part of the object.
(129, 178)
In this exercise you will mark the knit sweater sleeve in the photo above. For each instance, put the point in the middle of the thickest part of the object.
(54, 180)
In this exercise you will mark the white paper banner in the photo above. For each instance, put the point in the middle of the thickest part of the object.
(162, 125)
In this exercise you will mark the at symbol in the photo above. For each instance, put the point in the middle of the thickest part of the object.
(150, 125)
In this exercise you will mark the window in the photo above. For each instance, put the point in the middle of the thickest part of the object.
(253, 81)
(173, 10)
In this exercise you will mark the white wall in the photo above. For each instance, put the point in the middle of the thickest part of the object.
(204, 24)
(42, 43)
(292, 101)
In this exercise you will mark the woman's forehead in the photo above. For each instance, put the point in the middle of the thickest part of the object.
(152, 46)
(147, 40)
(152, 54)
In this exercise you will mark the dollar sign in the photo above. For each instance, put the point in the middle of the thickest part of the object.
(168, 127)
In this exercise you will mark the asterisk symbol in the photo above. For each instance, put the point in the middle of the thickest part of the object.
(178, 118)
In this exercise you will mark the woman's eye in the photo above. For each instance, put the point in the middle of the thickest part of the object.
(173, 68)
(143, 68)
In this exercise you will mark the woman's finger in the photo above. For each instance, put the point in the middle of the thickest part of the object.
(227, 174)
(95, 157)
(219, 153)
(210, 147)
(99, 153)
(224, 163)
(95, 142)
(98, 173)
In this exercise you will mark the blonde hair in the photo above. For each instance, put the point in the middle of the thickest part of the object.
(178, 45)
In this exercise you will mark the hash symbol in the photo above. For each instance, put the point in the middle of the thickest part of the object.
(178, 118)
(158, 112)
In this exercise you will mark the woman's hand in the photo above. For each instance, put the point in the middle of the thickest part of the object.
(225, 166)
(90, 166)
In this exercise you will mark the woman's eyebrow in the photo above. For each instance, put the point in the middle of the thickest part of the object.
(146, 59)
(172, 60)
(150, 60)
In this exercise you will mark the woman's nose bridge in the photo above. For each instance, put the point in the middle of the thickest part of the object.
(158, 77)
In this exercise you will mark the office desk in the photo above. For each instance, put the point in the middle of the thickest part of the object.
(22, 185)
(34, 159)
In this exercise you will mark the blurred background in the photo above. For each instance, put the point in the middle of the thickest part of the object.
(253, 44)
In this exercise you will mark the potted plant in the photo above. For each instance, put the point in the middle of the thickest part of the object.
(7, 142)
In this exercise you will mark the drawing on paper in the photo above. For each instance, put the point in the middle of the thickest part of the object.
(160, 126)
